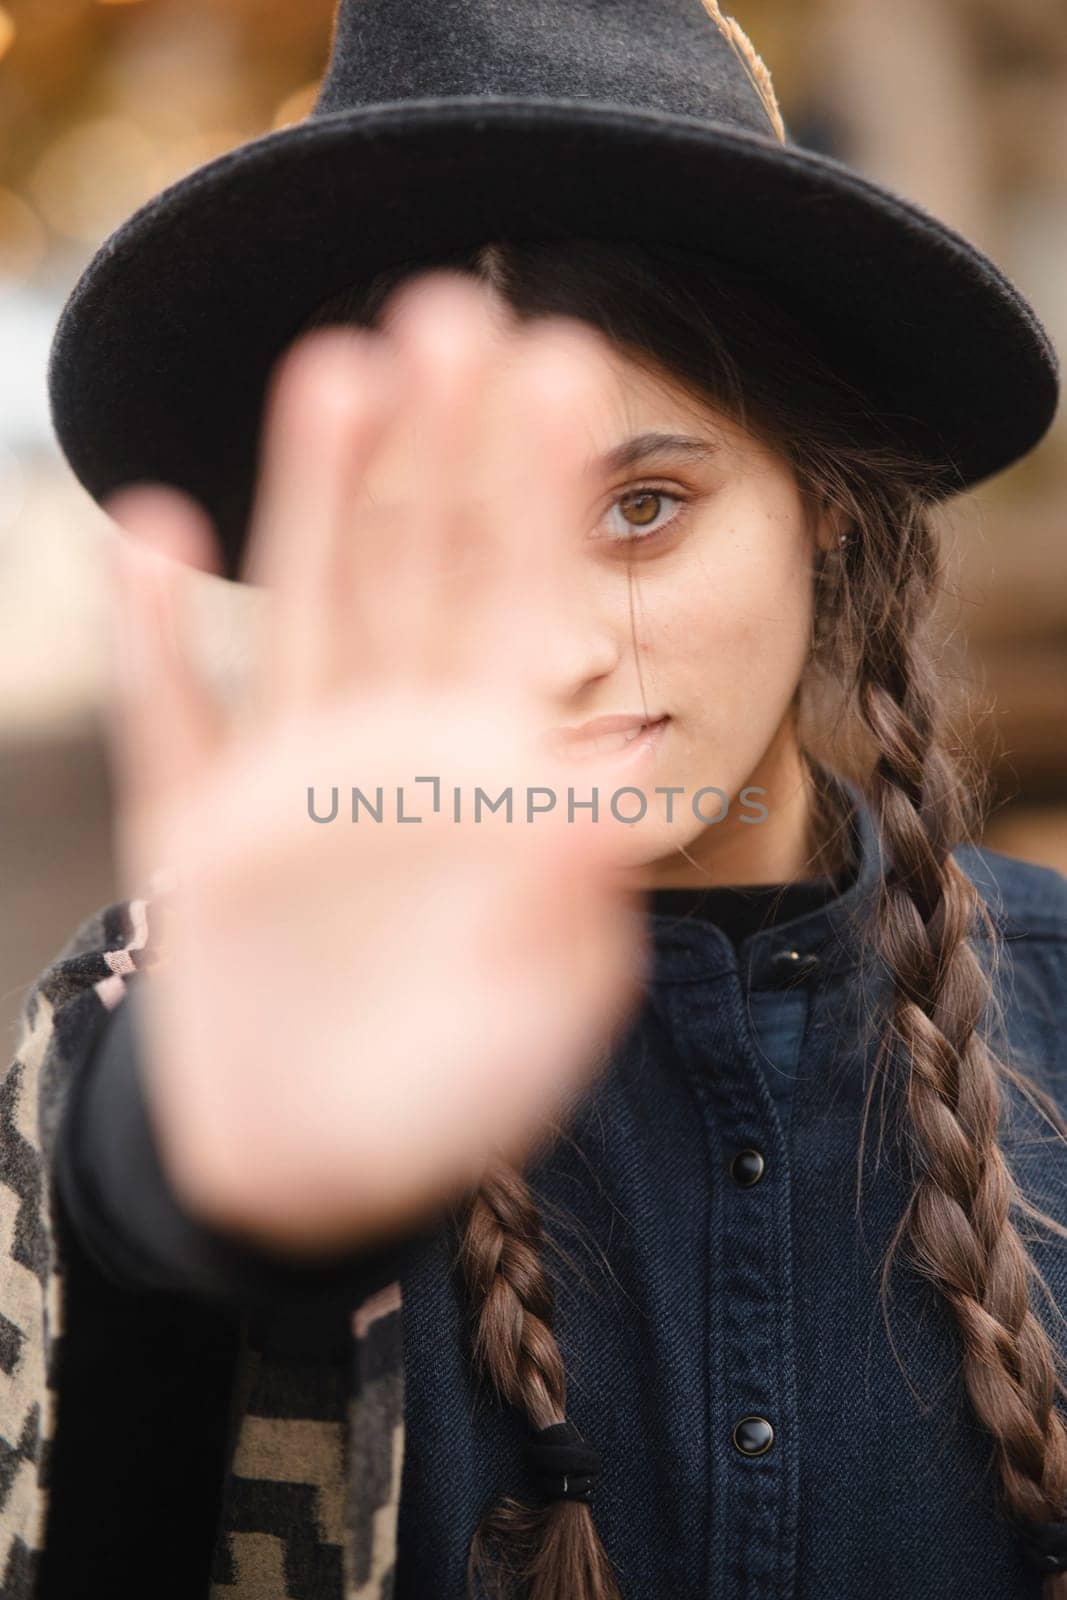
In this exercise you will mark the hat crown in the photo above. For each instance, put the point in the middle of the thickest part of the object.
(659, 55)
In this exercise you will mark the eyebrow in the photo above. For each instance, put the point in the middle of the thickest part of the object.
(637, 449)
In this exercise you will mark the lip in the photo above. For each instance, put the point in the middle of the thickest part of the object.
(621, 723)
(579, 744)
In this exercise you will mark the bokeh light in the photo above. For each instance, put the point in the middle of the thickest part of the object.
(23, 241)
(295, 106)
(92, 176)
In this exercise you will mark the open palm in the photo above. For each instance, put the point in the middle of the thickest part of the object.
(353, 1017)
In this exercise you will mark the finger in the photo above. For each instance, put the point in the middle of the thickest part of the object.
(542, 488)
(168, 521)
(163, 722)
(449, 331)
(544, 437)
(330, 404)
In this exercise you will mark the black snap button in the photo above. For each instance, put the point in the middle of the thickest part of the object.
(753, 1436)
(792, 964)
(747, 1168)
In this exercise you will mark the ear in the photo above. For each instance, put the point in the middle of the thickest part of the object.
(830, 522)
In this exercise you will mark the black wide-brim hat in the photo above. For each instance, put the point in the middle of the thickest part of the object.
(443, 124)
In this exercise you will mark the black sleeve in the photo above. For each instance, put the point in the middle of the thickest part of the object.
(131, 1225)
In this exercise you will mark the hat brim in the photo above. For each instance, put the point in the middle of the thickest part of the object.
(162, 354)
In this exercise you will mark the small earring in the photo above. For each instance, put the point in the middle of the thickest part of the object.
(842, 538)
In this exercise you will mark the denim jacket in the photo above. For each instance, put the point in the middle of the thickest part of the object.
(763, 1436)
(763, 1433)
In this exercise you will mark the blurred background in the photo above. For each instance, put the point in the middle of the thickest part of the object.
(958, 104)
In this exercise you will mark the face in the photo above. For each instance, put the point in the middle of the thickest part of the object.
(687, 611)
(692, 611)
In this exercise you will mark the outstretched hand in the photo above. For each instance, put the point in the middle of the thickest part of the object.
(354, 1017)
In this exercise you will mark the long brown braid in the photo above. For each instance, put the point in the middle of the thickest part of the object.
(958, 1225)
(873, 654)
(532, 1549)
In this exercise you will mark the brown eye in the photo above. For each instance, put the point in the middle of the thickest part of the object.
(642, 513)
(643, 506)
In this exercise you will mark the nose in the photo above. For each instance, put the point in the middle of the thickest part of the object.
(584, 643)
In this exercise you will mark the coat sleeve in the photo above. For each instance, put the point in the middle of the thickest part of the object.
(57, 1028)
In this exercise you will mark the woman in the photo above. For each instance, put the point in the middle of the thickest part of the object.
(585, 1217)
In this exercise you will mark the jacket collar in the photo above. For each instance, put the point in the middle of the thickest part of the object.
(809, 947)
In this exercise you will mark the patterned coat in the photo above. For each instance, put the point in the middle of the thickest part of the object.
(311, 1492)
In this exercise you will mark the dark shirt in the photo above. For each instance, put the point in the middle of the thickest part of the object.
(776, 1015)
